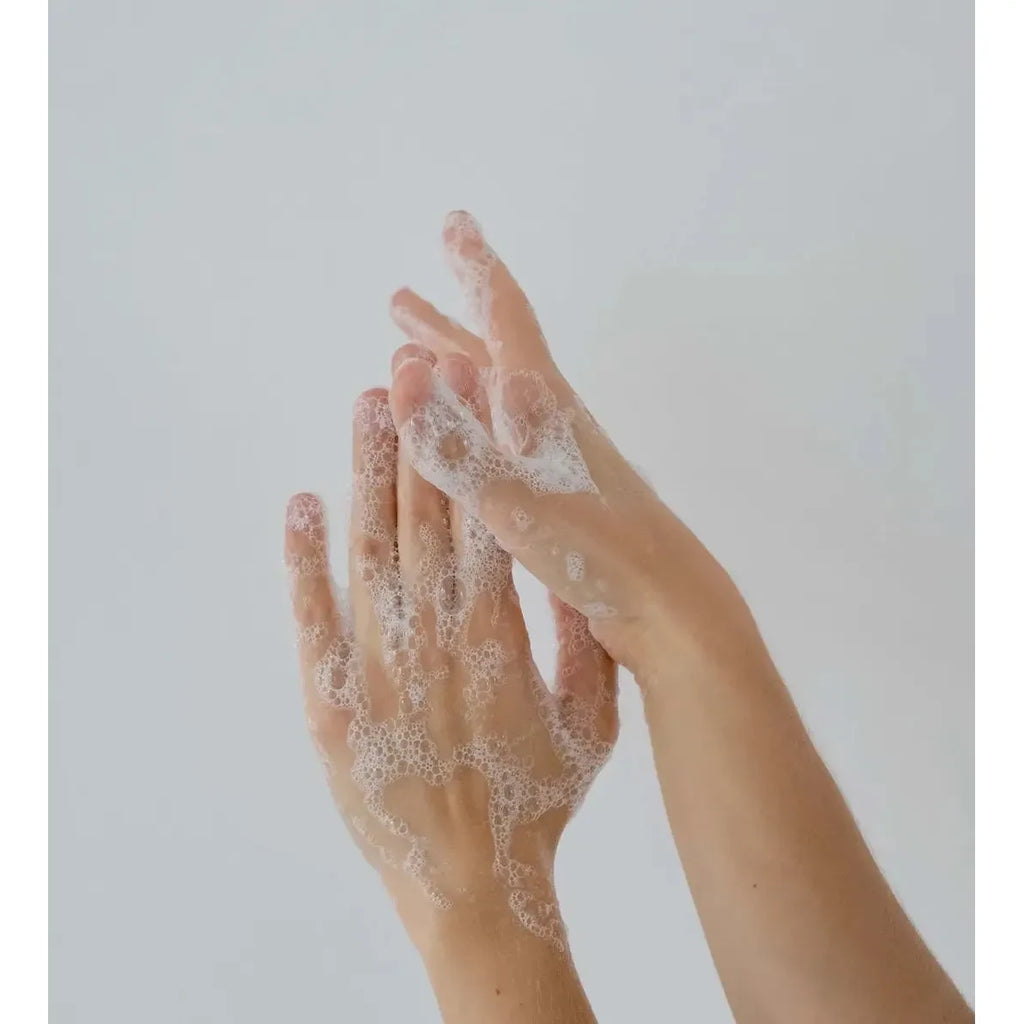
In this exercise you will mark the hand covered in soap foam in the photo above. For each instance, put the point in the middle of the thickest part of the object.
(532, 463)
(452, 762)
(800, 921)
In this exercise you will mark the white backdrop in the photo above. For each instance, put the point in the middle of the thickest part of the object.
(747, 231)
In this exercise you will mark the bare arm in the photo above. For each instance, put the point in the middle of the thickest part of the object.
(487, 968)
(800, 921)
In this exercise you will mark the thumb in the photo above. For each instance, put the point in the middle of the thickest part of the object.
(585, 676)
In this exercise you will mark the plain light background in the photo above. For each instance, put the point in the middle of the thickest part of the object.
(747, 231)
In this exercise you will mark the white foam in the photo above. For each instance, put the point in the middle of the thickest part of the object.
(441, 625)
(574, 566)
(522, 519)
(533, 440)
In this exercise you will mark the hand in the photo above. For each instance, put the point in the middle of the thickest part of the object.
(546, 480)
(453, 763)
(800, 921)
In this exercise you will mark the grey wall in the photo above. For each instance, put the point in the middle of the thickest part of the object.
(747, 230)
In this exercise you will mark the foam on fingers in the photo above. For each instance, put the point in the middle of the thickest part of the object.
(305, 544)
(497, 306)
(451, 448)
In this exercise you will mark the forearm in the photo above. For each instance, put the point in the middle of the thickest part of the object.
(490, 968)
(800, 921)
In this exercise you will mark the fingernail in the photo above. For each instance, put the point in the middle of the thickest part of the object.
(410, 359)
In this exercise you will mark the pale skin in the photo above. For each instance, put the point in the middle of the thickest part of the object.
(483, 962)
(799, 919)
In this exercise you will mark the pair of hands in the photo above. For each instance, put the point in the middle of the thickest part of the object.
(457, 767)
(454, 764)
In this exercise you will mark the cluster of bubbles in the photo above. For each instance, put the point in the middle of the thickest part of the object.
(426, 679)
(531, 441)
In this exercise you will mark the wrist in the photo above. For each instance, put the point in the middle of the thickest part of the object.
(477, 931)
(485, 964)
(478, 922)
(688, 620)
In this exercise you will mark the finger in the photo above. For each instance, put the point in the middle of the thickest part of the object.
(582, 667)
(422, 511)
(585, 676)
(524, 413)
(324, 651)
(460, 374)
(424, 324)
(424, 541)
(446, 443)
(313, 604)
(373, 543)
(463, 376)
(497, 304)
(477, 552)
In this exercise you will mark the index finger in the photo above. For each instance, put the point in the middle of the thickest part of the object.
(504, 315)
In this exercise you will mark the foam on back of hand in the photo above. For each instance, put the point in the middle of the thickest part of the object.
(532, 443)
(439, 681)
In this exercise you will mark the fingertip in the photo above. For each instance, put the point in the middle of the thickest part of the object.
(461, 221)
(411, 388)
(463, 236)
(304, 515)
(405, 296)
(372, 396)
(371, 412)
(411, 350)
(403, 306)
(303, 498)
